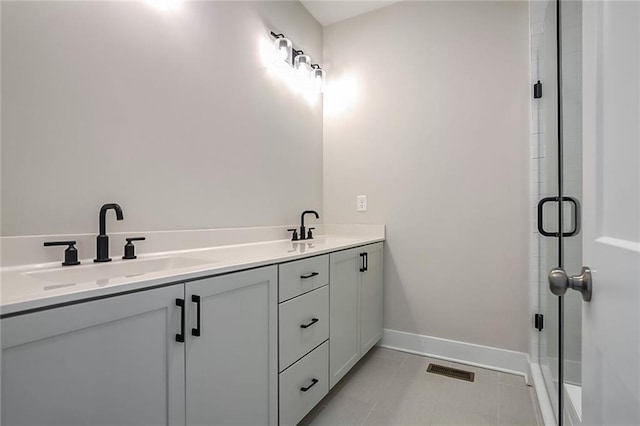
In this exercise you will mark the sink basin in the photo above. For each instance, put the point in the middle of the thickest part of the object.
(116, 269)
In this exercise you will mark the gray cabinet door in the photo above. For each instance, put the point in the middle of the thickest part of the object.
(371, 298)
(344, 315)
(232, 367)
(113, 361)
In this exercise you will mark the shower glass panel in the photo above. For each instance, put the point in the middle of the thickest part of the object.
(549, 252)
(571, 31)
(558, 162)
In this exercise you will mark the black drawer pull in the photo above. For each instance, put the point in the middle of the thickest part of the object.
(313, 383)
(313, 321)
(196, 331)
(311, 275)
(180, 336)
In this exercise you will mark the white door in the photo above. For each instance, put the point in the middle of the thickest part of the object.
(232, 349)
(611, 321)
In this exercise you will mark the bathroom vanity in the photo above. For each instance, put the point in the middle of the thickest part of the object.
(258, 335)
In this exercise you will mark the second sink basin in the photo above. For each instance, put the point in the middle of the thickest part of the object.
(116, 269)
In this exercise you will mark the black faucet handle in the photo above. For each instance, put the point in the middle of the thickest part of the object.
(135, 239)
(294, 237)
(130, 249)
(309, 233)
(60, 243)
(70, 254)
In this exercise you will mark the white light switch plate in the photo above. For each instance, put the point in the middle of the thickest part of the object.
(361, 203)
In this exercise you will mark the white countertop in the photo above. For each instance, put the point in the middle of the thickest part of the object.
(23, 287)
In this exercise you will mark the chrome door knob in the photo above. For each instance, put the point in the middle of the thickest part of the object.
(559, 282)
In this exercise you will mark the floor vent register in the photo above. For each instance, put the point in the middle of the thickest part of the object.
(451, 372)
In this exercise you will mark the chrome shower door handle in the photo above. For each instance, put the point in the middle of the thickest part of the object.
(559, 282)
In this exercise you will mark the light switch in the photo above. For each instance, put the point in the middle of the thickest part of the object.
(361, 203)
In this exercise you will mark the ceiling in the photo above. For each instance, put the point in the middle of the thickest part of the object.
(330, 11)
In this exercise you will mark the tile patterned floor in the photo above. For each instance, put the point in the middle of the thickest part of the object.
(393, 388)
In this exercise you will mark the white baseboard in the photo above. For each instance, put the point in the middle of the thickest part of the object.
(465, 353)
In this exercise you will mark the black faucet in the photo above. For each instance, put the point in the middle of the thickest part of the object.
(303, 234)
(102, 241)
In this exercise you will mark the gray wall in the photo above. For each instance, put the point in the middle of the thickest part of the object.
(437, 137)
(170, 114)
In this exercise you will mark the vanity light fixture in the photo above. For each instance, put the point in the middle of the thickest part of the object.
(308, 75)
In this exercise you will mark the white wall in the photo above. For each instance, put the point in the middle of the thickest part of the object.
(170, 114)
(436, 134)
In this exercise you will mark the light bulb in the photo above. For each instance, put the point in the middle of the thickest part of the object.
(284, 52)
(318, 78)
(302, 63)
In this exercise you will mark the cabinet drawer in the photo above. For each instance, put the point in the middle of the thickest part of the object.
(302, 276)
(312, 370)
(303, 324)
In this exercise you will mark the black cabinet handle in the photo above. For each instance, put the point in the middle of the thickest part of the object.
(313, 321)
(180, 336)
(313, 383)
(196, 331)
(576, 217)
(311, 275)
(364, 257)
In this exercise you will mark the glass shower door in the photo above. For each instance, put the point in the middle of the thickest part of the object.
(559, 190)
(549, 249)
(571, 102)
(545, 149)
